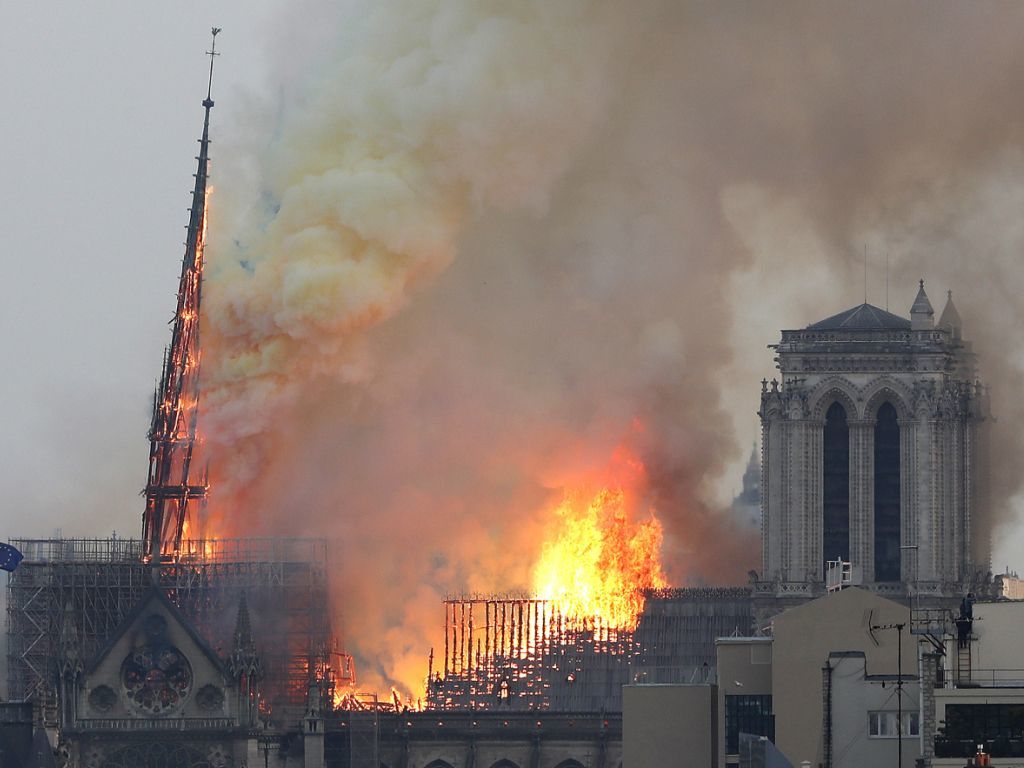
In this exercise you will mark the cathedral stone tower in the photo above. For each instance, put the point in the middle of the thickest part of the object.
(873, 452)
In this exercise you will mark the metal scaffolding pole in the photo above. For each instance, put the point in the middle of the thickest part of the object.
(101, 580)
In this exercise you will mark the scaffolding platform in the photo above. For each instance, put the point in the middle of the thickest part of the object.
(94, 584)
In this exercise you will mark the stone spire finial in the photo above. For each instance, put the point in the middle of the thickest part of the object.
(243, 660)
(70, 658)
(921, 312)
(314, 701)
(752, 474)
(243, 627)
(950, 318)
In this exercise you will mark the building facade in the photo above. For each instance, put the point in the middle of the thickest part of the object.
(976, 690)
(157, 694)
(868, 718)
(669, 724)
(820, 689)
(874, 453)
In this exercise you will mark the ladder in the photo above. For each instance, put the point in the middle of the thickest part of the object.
(963, 664)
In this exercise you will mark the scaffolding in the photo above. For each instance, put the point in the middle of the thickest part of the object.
(521, 653)
(95, 583)
(364, 732)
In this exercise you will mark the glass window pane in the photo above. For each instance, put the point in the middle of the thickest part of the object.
(883, 724)
(913, 726)
(747, 714)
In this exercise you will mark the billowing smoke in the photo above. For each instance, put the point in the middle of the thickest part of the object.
(474, 247)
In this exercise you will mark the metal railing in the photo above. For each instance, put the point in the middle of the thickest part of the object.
(156, 724)
(988, 678)
(117, 550)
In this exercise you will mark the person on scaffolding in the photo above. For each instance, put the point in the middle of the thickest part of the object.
(965, 621)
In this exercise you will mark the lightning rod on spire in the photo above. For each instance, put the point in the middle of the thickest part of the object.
(865, 273)
(211, 53)
(886, 281)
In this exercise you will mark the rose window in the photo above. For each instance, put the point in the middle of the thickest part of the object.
(156, 675)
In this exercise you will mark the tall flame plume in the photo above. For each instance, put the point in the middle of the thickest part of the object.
(599, 554)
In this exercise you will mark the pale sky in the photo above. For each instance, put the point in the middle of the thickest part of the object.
(99, 127)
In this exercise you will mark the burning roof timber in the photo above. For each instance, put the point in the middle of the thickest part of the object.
(522, 653)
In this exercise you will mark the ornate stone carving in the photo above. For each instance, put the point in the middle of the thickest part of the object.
(928, 376)
(156, 676)
(102, 698)
(210, 698)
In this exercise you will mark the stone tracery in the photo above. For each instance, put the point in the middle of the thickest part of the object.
(911, 403)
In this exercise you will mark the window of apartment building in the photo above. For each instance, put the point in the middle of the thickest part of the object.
(882, 725)
(999, 726)
(747, 714)
(984, 722)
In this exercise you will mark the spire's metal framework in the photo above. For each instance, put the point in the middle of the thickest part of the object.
(173, 489)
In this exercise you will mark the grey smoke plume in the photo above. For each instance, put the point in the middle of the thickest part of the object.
(480, 245)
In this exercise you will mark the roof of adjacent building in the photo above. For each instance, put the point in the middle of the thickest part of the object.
(865, 317)
(905, 676)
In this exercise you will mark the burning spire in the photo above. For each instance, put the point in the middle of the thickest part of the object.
(173, 489)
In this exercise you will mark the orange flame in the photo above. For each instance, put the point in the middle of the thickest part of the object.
(598, 555)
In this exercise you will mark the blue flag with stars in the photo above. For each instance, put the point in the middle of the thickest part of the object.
(9, 557)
